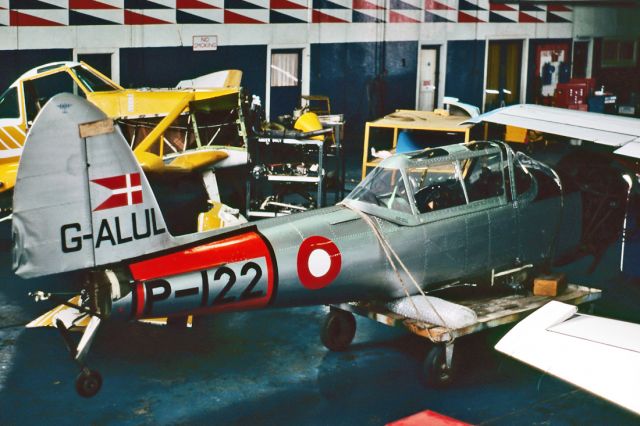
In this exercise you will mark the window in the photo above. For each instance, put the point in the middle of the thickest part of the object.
(39, 90)
(92, 82)
(384, 187)
(618, 53)
(50, 85)
(284, 69)
(9, 107)
(523, 179)
(436, 187)
(483, 177)
(32, 105)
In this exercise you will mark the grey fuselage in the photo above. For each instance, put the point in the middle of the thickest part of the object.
(334, 254)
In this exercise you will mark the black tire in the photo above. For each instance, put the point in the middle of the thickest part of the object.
(435, 372)
(88, 383)
(338, 330)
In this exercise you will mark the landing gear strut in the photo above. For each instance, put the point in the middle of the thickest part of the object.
(88, 382)
(93, 303)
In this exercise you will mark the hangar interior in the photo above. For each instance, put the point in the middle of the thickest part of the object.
(369, 69)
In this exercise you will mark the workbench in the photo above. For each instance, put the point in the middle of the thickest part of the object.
(403, 119)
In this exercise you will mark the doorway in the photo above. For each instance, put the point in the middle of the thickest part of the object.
(504, 71)
(429, 65)
(285, 81)
(580, 59)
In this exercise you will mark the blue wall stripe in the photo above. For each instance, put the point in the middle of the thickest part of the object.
(380, 79)
(147, 67)
(17, 62)
(465, 70)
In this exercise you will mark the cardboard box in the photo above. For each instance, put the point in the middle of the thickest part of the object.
(549, 285)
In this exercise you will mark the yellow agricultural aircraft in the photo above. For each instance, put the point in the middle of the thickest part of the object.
(197, 126)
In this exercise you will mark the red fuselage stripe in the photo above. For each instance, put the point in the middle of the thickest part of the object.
(206, 256)
(239, 248)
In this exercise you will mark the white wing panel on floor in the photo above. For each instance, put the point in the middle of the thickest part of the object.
(600, 355)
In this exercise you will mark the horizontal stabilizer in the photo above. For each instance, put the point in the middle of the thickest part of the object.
(600, 355)
(72, 318)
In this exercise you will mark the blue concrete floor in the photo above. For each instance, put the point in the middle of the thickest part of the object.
(269, 367)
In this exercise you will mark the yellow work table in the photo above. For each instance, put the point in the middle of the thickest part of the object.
(403, 119)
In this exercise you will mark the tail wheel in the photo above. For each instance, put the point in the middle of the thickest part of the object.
(88, 383)
(338, 330)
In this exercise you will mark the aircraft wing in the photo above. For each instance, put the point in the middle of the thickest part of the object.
(218, 157)
(600, 355)
(194, 160)
(620, 133)
(225, 78)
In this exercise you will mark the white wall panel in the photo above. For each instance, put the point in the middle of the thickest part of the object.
(103, 36)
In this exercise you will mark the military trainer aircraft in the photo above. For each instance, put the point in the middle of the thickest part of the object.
(463, 212)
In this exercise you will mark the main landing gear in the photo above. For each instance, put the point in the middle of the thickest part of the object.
(439, 367)
(338, 330)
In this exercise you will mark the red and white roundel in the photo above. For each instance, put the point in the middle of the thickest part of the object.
(319, 262)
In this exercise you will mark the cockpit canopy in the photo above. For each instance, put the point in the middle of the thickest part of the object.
(421, 186)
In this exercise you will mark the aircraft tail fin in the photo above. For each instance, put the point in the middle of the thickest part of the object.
(81, 199)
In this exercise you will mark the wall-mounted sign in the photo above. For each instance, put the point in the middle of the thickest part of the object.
(205, 42)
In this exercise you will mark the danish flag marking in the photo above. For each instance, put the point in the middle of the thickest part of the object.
(126, 190)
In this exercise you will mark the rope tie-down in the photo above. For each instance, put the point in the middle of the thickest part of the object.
(396, 264)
